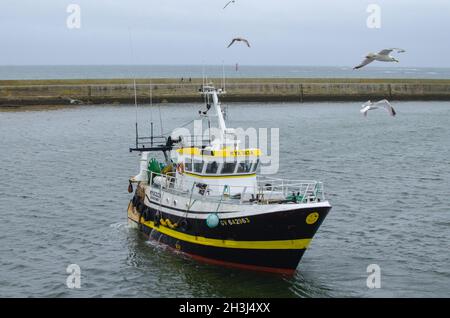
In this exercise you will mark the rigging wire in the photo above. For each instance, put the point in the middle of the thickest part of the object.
(131, 73)
(160, 119)
(135, 99)
(134, 84)
(151, 101)
(182, 126)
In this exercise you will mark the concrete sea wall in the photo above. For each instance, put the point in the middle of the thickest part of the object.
(59, 92)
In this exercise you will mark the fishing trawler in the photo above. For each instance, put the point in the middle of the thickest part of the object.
(207, 199)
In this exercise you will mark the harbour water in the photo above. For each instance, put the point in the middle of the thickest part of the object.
(63, 198)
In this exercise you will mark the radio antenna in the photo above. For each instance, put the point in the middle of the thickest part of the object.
(136, 105)
(223, 76)
(203, 73)
(151, 100)
(160, 119)
(151, 113)
(135, 99)
(134, 85)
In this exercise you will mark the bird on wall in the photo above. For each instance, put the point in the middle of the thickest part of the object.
(74, 101)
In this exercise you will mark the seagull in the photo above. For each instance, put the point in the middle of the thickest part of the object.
(239, 40)
(370, 106)
(229, 2)
(74, 101)
(382, 56)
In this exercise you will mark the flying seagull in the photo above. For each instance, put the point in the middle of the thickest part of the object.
(229, 2)
(239, 40)
(382, 56)
(384, 103)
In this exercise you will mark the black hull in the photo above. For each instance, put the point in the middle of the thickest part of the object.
(271, 242)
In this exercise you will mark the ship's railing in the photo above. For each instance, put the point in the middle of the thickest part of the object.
(301, 191)
(265, 191)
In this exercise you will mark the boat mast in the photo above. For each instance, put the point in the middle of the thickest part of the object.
(210, 91)
(219, 114)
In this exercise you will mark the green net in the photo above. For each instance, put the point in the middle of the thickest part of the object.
(154, 166)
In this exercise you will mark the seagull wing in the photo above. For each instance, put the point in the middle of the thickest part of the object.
(398, 50)
(368, 60)
(71, 100)
(388, 107)
(227, 4)
(364, 110)
(234, 40)
(366, 107)
(388, 51)
(385, 52)
(246, 42)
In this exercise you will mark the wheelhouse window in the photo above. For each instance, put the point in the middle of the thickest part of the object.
(212, 167)
(255, 165)
(198, 166)
(228, 167)
(244, 166)
(188, 164)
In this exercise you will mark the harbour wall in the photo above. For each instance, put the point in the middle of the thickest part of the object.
(60, 92)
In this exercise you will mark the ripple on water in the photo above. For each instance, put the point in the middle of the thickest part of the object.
(386, 179)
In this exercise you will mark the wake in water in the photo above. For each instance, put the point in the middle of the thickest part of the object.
(120, 225)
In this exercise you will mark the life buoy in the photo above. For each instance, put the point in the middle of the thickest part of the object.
(212, 220)
(184, 225)
(180, 168)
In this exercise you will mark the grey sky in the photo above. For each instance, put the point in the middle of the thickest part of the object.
(282, 32)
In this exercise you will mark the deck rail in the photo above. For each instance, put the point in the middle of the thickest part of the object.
(267, 190)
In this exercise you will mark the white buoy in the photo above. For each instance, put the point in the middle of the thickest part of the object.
(212, 220)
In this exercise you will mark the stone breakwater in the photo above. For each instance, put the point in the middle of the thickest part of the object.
(121, 91)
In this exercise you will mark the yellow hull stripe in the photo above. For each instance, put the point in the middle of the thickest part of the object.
(219, 176)
(298, 244)
(268, 245)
